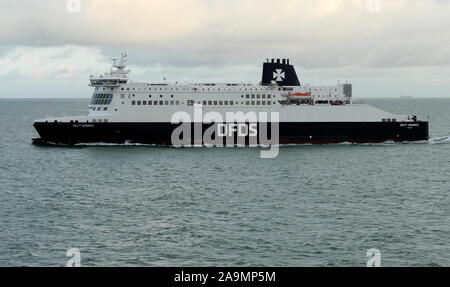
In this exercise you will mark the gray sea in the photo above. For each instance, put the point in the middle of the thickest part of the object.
(313, 205)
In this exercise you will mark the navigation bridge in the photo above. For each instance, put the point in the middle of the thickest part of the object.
(117, 76)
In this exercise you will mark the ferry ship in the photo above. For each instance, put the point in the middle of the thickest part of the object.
(122, 111)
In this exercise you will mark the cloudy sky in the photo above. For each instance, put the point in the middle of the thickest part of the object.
(386, 48)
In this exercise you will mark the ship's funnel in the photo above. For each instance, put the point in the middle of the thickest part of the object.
(280, 72)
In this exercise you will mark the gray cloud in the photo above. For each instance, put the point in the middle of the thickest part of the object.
(315, 33)
(228, 39)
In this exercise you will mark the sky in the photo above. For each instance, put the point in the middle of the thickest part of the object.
(385, 48)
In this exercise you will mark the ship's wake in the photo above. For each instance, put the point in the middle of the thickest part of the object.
(439, 140)
(431, 141)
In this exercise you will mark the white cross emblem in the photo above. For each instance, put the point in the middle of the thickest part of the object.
(278, 75)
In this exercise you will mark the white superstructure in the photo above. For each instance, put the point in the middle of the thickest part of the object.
(116, 99)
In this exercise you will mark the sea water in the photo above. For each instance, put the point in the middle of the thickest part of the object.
(313, 205)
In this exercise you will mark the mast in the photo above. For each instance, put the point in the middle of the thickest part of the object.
(116, 76)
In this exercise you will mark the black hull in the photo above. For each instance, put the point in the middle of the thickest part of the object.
(61, 133)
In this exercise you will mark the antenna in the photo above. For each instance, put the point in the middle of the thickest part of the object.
(122, 61)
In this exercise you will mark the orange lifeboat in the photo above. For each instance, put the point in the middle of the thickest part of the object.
(301, 95)
(337, 103)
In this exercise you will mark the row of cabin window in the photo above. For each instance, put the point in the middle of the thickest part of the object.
(257, 96)
(186, 89)
(205, 103)
(226, 103)
(195, 89)
(248, 96)
(98, 108)
(155, 103)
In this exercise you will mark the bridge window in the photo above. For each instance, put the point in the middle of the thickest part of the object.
(101, 99)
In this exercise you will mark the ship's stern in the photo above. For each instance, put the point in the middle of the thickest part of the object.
(413, 131)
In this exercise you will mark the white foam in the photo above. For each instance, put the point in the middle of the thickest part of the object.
(435, 140)
(439, 140)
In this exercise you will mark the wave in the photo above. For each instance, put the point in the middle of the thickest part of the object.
(115, 144)
(439, 140)
(432, 141)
